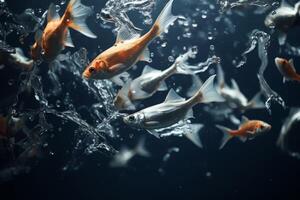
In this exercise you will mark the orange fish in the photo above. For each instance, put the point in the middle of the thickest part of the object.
(128, 50)
(287, 69)
(247, 130)
(56, 35)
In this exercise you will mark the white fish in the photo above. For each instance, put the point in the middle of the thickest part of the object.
(122, 158)
(283, 18)
(151, 81)
(234, 97)
(173, 109)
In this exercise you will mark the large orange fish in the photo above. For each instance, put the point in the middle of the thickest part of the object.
(128, 50)
(287, 69)
(56, 35)
(247, 130)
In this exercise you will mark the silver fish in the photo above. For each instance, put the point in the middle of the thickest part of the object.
(173, 109)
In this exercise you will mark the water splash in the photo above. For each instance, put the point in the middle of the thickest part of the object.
(226, 5)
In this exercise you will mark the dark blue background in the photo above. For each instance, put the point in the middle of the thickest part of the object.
(252, 170)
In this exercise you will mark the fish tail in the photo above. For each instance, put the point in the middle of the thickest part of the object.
(193, 136)
(164, 20)
(140, 148)
(75, 17)
(256, 102)
(208, 92)
(226, 135)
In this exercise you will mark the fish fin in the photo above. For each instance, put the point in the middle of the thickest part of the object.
(233, 119)
(68, 41)
(291, 61)
(196, 84)
(165, 19)
(235, 85)
(52, 14)
(284, 3)
(257, 102)
(38, 37)
(145, 56)
(75, 16)
(124, 34)
(117, 80)
(208, 92)
(140, 149)
(190, 114)
(154, 132)
(182, 68)
(220, 76)
(126, 103)
(243, 139)
(173, 97)
(193, 136)
(282, 38)
(163, 86)
(147, 69)
(244, 119)
(226, 135)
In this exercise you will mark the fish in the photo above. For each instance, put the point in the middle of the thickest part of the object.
(173, 109)
(287, 69)
(234, 97)
(56, 36)
(122, 158)
(150, 81)
(283, 18)
(289, 123)
(128, 50)
(247, 130)
(16, 59)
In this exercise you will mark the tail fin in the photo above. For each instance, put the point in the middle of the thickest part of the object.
(75, 16)
(226, 137)
(208, 92)
(165, 19)
(196, 84)
(194, 134)
(140, 148)
(257, 102)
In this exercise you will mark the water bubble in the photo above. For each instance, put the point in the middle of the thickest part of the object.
(203, 14)
(210, 36)
(62, 2)
(171, 59)
(164, 44)
(57, 8)
(11, 82)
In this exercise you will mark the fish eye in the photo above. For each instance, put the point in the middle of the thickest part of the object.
(131, 118)
(91, 69)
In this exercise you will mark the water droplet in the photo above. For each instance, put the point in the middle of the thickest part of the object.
(164, 44)
(57, 8)
(171, 59)
(203, 14)
(11, 82)
(62, 2)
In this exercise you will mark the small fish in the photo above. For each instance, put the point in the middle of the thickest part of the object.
(122, 158)
(234, 97)
(149, 82)
(290, 122)
(16, 59)
(287, 69)
(128, 50)
(247, 130)
(56, 35)
(173, 109)
(283, 18)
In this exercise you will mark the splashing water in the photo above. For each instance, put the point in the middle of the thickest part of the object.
(226, 5)
(116, 12)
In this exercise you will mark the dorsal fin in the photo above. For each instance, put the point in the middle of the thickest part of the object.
(147, 69)
(124, 33)
(291, 61)
(235, 85)
(38, 36)
(52, 14)
(284, 3)
(244, 119)
(173, 97)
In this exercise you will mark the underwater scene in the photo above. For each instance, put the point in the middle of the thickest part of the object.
(149, 99)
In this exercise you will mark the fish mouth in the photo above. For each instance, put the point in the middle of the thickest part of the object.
(278, 61)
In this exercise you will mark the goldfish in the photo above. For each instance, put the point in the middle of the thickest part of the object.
(16, 59)
(234, 97)
(287, 69)
(247, 130)
(283, 18)
(128, 49)
(173, 109)
(56, 36)
(151, 81)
